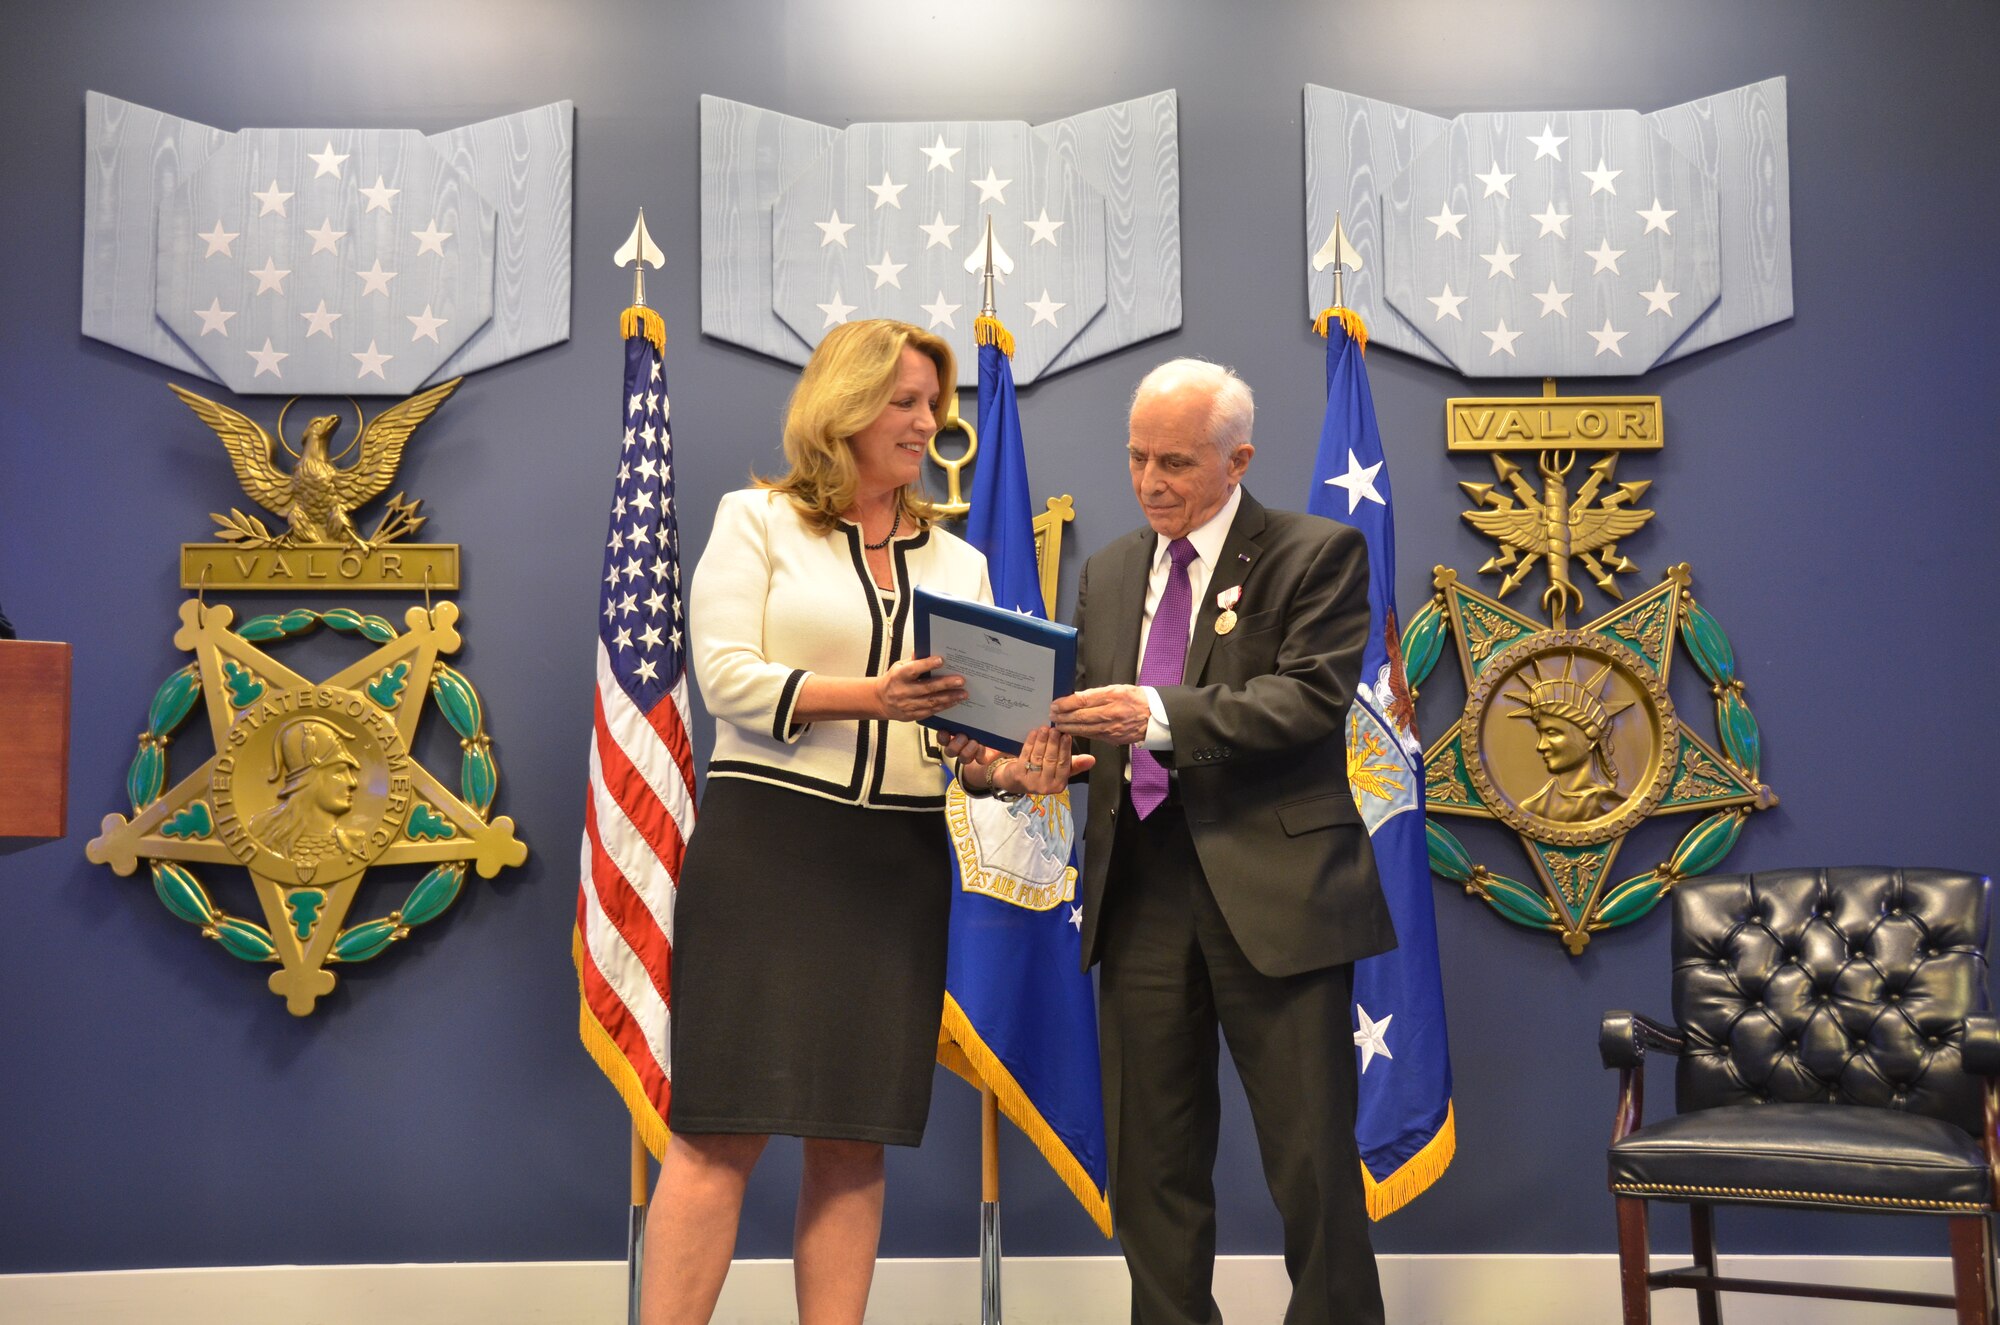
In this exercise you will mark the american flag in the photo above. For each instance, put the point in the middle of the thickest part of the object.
(641, 802)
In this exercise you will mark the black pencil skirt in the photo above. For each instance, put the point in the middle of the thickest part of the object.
(808, 967)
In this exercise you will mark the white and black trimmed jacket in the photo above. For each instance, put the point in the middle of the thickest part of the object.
(774, 601)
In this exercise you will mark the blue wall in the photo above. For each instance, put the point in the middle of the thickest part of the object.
(1831, 480)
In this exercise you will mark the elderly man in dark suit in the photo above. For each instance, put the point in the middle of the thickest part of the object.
(1227, 877)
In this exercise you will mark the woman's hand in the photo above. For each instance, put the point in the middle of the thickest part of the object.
(1044, 766)
(966, 752)
(905, 694)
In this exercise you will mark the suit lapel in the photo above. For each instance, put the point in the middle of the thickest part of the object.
(1232, 567)
(1129, 606)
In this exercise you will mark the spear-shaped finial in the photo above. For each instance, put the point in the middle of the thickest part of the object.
(988, 259)
(1338, 253)
(640, 252)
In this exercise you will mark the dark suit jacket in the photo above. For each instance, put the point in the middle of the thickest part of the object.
(1260, 736)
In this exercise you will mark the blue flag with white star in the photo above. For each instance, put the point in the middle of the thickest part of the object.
(1403, 1123)
(1018, 1012)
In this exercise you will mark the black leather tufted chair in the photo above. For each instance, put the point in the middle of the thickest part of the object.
(1835, 1053)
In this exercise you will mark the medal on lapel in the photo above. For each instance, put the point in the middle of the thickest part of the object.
(1227, 600)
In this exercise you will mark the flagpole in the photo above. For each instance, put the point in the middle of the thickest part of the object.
(639, 252)
(989, 1103)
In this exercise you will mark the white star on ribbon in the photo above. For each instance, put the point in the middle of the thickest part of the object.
(887, 193)
(1495, 181)
(836, 311)
(1076, 918)
(1548, 142)
(1447, 303)
(1044, 230)
(1655, 218)
(1659, 299)
(1553, 300)
(425, 327)
(1359, 481)
(887, 272)
(319, 322)
(371, 362)
(1373, 1037)
(1552, 222)
(1447, 222)
(1608, 339)
(270, 278)
(271, 200)
(267, 359)
(833, 230)
(1044, 309)
(1500, 261)
(940, 312)
(213, 318)
(939, 155)
(375, 280)
(1605, 256)
(1503, 339)
(939, 233)
(1600, 179)
(218, 240)
(326, 239)
(992, 189)
(378, 197)
(327, 160)
(430, 239)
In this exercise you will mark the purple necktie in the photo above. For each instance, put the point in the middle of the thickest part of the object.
(1166, 656)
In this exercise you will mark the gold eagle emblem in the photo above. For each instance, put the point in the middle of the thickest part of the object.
(317, 498)
(1549, 526)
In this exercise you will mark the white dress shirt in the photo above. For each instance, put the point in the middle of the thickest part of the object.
(1207, 541)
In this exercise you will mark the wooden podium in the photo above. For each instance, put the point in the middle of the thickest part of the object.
(34, 738)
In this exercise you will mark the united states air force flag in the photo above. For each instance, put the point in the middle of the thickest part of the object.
(1018, 1014)
(1404, 1121)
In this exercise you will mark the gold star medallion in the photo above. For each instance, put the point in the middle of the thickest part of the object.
(312, 783)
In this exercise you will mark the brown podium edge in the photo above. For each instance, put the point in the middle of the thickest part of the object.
(34, 738)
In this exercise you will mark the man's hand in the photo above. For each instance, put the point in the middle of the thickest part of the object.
(1115, 714)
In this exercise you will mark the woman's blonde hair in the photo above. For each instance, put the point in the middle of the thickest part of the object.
(845, 386)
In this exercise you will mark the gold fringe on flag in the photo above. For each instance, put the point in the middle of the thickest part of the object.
(597, 1042)
(1419, 1171)
(989, 331)
(642, 321)
(1350, 322)
(961, 1050)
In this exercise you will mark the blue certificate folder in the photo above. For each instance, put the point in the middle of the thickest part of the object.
(1027, 704)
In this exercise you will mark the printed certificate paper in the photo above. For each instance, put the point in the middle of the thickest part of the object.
(1014, 666)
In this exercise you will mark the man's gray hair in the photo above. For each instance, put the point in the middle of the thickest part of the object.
(1232, 409)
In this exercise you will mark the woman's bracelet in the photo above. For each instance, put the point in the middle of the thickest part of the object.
(992, 787)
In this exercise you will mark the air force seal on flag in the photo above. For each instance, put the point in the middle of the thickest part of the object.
(326, 261)
(804, 226)
(1379, 768)
(1014, 851)
(1558, 243)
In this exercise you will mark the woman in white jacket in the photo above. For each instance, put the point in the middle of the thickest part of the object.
(810, 921)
